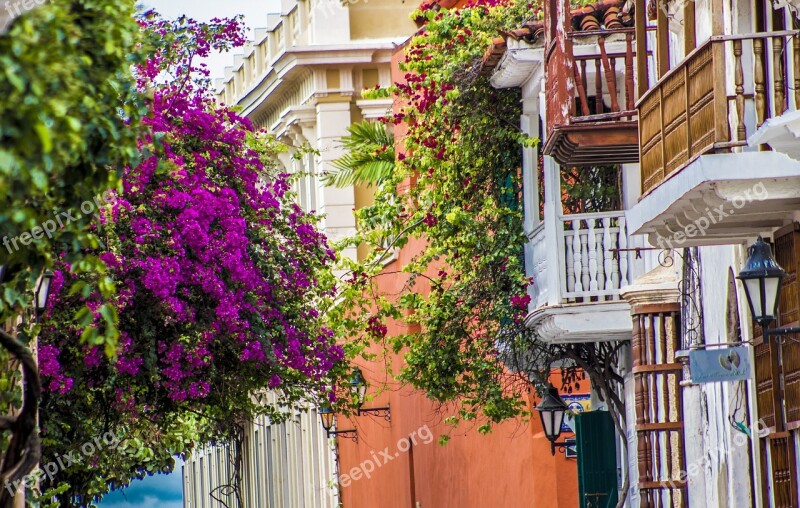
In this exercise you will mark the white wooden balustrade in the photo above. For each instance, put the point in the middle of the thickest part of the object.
(576, 258)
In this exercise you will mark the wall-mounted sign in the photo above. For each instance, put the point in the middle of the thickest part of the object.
(724, 364)
(576, 403)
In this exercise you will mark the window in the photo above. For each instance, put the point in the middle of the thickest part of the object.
(778, 451)
(659, 413)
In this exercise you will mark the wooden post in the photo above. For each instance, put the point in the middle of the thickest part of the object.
(629, 101)
(796, 66)
(611, 76)
(777, 67)
(717, 18)
(598, 87)
(721, 127)
(739, 79)
(662, 42)
(579, 83)
(689, 37)
(758, 71)
(640, 20)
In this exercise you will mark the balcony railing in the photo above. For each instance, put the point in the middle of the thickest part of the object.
(575, 259)
(601, 69)
(591, 117)
(715, 98)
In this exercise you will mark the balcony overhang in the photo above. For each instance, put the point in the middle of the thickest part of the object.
(594, 142)
(520, 62)
(782, 134)
(582, 322)
(719, 199)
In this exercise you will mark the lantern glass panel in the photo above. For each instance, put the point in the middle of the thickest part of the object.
(327, 418)
(772, 288)
(43, 291)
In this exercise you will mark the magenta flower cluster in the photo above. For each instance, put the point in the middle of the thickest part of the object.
(218, 270)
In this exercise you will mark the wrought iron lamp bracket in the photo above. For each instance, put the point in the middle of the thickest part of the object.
(562, 447)
(350, 434)
(383, 412)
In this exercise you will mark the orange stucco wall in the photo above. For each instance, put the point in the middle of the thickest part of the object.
(509, 468)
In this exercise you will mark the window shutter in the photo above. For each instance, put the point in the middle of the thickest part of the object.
(597, 460)
(782, 467)
(658, 405)
(764, 384)
(787, 254)
(783, 473)
(763, 373)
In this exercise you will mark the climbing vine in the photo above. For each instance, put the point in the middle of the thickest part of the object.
(456, 186)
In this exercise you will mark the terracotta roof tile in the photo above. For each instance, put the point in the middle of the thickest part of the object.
(602, 15)
(492, 56)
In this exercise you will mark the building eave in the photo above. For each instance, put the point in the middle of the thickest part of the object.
(294, 62)
(520, 62)
(751, 201)
(582, 322)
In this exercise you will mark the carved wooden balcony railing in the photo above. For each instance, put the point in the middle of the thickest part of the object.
(591, 115)
(715, 98)
(587, 267)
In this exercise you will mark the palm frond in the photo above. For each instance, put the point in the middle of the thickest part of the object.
(369, 158)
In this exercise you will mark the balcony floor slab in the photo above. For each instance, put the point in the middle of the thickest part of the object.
(719, 199)
(582, 322)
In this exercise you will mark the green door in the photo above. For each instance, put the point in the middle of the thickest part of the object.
(597, 459)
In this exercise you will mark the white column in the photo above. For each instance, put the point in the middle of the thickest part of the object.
(529, 123)
(334, 203)
(553, 229)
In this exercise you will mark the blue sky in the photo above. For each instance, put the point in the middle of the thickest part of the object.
(165, 491)
(160, 491)
(254, 11)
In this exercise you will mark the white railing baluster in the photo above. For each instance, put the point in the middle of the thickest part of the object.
(623, 256)
(615, 260)
(607, 254)
(592, 245)
(584, 257)
(570, 262)
(587, 267)
(577, 252)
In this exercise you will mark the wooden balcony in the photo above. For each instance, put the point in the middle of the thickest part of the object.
(591, 118)
(715, 99)
(578, 270)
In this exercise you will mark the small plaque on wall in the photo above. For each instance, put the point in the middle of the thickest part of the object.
(716, 365)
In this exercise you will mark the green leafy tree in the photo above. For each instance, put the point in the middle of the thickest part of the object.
(369, 158)
(69, 115)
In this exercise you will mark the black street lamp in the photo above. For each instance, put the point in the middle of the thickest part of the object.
(42, 293)
(552, 410)
(762, 279)
(358, 387)
(329, 421)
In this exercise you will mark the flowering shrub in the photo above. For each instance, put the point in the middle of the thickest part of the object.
(221, 278)
(457, 187)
